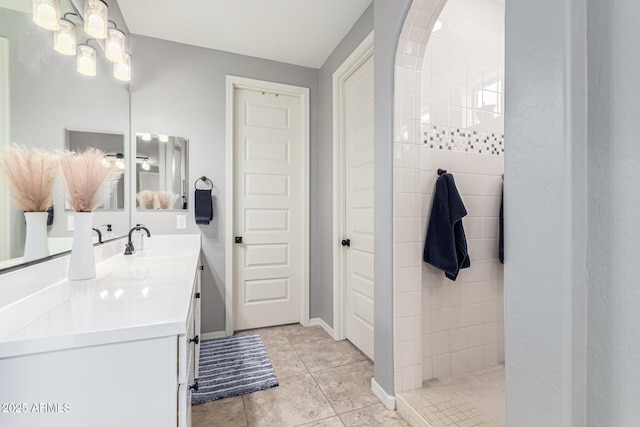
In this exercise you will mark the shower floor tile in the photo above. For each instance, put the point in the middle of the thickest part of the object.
(475, 398)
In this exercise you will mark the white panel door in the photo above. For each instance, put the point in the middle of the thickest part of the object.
(359, 206)
(267, 138)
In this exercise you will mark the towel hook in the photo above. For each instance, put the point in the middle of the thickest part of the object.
(441, 171)
(203, 179)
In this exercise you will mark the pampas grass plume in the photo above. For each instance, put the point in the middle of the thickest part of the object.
(89, 178)
(145, 199)
(167, 199)
(32, 174)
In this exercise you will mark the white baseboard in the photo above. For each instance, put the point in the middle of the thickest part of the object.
(212, 335)
(319, 322)
(388, 401)
(410, 415)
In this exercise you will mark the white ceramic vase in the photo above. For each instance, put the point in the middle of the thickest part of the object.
(35, 244)
(83, 264)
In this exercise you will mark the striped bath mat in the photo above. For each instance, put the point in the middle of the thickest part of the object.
(233, 366)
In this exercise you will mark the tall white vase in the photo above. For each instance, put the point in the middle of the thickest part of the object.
(35, 244)
(83, 263)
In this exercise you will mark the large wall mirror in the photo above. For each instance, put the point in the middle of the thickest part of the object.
(161, 172)
(41, 97)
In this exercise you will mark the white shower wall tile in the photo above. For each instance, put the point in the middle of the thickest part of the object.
(406, 205)
(457, 56)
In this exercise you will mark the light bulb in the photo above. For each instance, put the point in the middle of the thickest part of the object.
(115, 45)
(146, 137)
(95, 18)
(163, 138)
(46, 13)
(122, 70)
(86, 60)
(64, 40)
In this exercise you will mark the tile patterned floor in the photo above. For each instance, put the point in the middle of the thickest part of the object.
(474, 398)
(323, 383)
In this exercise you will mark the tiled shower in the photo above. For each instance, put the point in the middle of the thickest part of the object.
(450, 117)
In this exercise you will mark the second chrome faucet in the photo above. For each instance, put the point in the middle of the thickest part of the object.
(129, 249)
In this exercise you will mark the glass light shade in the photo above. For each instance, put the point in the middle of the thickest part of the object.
(119, 160)
(46, 13)
(163, 138)
(64, 40)
(86, 60)
(95, 18)
(122, 70)
(114, 47)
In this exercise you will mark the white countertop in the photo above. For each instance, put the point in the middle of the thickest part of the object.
(142, 296)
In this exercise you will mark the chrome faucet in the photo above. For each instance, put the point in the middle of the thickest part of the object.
(129, 249)
(99, 234)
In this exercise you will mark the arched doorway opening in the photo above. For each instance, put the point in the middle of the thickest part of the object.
(449, 105)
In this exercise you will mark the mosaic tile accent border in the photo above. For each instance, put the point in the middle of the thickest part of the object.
(460, 139)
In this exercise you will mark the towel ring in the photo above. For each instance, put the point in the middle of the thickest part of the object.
(204, 179)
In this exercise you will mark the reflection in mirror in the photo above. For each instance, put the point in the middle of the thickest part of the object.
(41, 95)
(161, 171)
(113, 147)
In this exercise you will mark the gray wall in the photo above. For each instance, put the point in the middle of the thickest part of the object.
(613, 341)
(180, 90)
(545, 213)
(388, 20)
(47, 96)
(322, 274)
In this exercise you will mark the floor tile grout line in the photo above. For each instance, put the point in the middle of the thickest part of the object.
(324, 394)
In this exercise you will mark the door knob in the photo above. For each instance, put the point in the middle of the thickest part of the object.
(238, 239)
(346, 242)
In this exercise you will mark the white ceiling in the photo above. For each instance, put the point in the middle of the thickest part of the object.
(301, 32)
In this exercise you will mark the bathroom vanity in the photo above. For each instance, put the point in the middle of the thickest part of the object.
(118, 350)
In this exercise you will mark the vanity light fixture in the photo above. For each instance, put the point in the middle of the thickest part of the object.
(146, 137)
(64, 40)
(115, 45)
(163, 138)
(86, 60)
(122, 70)
(46, 13)
(95, 18)
(120, 160)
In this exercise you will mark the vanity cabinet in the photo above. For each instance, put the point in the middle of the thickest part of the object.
(103, 362)
(189, 356)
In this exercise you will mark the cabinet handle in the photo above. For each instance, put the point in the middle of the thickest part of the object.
(195, 339)
(194, 387)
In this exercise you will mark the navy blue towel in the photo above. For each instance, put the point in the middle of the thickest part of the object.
(446, 245)
(204, 207)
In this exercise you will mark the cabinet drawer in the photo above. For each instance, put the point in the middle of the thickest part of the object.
(185, 349)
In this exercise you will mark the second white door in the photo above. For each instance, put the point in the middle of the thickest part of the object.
(267, 137)
(359, 207)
